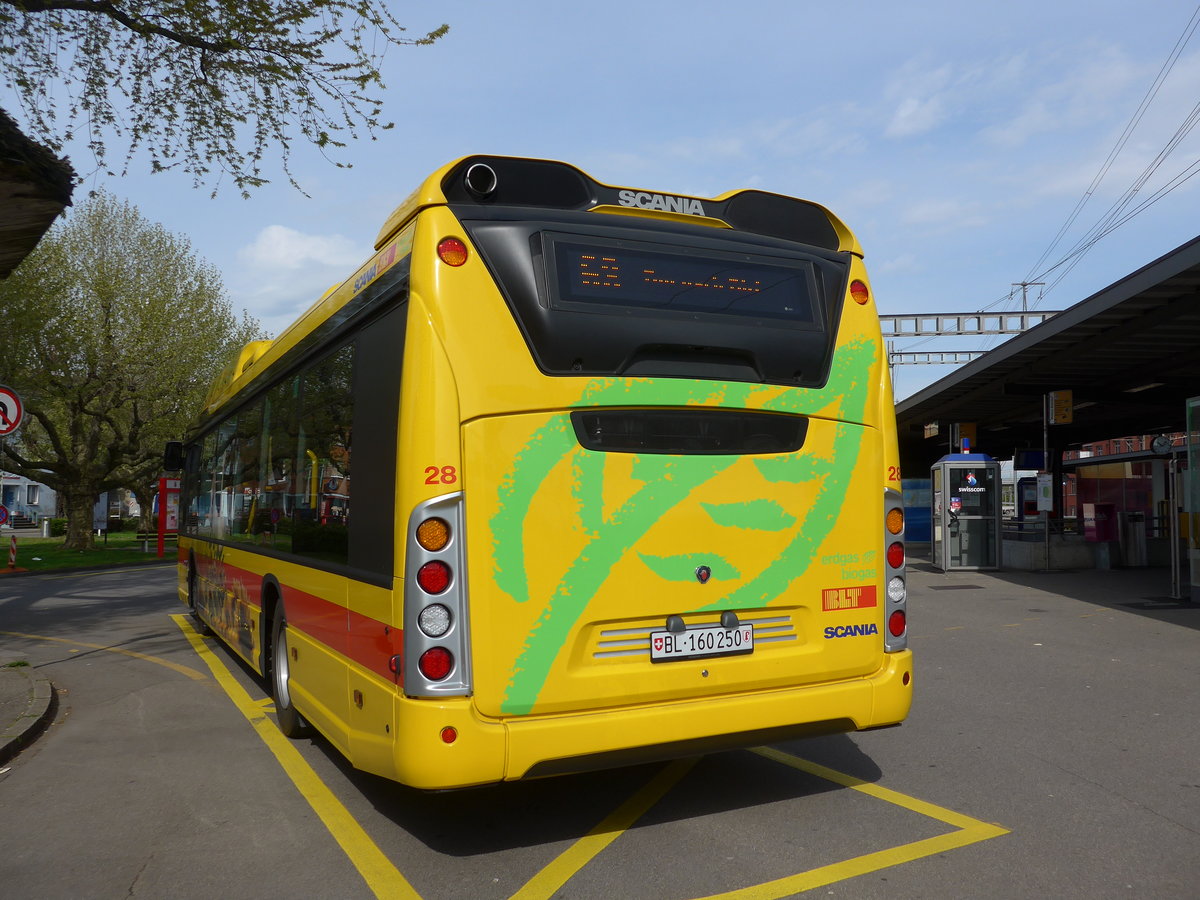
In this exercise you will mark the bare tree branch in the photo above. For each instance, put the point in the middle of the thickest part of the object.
(211, 87)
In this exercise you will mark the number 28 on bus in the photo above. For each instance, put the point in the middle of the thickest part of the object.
(565, 474)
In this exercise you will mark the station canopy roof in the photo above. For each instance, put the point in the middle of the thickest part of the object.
(1130, 355)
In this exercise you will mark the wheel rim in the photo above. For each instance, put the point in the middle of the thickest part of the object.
(282, 699)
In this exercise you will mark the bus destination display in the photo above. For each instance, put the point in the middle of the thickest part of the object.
(660, 279)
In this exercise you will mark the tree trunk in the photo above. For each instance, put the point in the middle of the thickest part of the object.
(147, 521)
(79, 519)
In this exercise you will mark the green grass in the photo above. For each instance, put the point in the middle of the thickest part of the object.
(39, 554)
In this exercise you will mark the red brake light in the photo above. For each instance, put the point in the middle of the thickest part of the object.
(452, 251)
(897, 622)
(895, 555)
(859, 291)
(434, 577)
(436, 663)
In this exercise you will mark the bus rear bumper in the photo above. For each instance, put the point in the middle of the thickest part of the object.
(485, 751)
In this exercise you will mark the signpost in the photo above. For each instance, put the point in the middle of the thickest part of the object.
(1062, 408)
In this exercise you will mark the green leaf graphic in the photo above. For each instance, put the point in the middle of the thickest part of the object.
(683, 567)
(753, 515)
(666, 482)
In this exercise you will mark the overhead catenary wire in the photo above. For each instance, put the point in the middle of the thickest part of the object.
(1116, 214)
(1119, 212)
(1184, 37)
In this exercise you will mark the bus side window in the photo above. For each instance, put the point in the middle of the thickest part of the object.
(322, 510)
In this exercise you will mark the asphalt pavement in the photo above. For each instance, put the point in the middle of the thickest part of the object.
(27, 700)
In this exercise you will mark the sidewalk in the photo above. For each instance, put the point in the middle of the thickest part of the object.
(26, 707)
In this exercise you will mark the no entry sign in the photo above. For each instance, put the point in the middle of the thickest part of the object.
(11, 410)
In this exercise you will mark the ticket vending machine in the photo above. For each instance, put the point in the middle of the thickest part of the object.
(965, 512)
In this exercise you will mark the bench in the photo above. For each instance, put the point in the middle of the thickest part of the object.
(147, 537)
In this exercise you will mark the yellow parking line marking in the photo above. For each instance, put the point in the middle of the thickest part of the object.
(895, 797)
(860, 865)
(184, 670)
(383, 878)
(969, 831)
(546, 882)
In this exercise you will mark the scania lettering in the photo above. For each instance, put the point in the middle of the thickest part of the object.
(666, 203)
(841, 631)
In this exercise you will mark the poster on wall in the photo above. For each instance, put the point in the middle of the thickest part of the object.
(1045, 493)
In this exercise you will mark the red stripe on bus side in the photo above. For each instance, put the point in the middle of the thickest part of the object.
(372, 644)
(362, 639)
(321, 619)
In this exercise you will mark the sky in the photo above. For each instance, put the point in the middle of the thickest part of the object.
(955, 139)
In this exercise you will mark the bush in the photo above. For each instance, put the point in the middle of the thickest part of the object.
(58, 527)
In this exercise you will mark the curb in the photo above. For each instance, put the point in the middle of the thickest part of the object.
(40, 711)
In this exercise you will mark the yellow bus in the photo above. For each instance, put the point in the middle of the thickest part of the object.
(565, 476)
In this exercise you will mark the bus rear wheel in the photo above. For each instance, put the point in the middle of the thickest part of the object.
(291, 723)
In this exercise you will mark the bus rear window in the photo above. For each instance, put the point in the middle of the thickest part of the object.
(595, 296)
(649, 276)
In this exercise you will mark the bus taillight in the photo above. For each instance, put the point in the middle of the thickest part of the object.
(452, 251)
(437, 644)
(895, 586)
(433, 534)
(434, 620)
(434, 577)
(436, 663)
(859, 291)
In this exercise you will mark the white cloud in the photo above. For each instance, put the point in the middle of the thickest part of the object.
(905, 262)
(1081, 100)
(945, 214)
(1057, 97)
(920, 98)
(280, 247)
(284, 271)
(916, 116)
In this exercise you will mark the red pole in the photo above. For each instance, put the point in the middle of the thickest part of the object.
(162, 516)
(12, 553)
